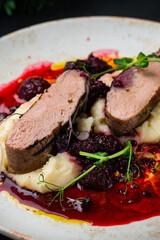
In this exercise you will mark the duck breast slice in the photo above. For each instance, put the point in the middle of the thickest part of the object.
(30, 140)
(133, 95)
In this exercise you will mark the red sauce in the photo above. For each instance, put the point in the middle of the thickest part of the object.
(151, 148)
(110, 207)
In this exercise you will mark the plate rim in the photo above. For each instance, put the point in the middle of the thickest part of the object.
(42, 24)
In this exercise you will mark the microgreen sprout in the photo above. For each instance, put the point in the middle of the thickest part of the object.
(101, 157)
(129, 176)
(141, 61)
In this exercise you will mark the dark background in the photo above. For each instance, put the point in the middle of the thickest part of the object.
(145, 9)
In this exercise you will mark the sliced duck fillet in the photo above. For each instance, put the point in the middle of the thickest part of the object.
(133, 95)
(29, 141)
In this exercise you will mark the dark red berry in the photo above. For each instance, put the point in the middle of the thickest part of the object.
(153, 150)
(100, 178)
(117, 84)
(134, 143)
(93, 64)
(97, 89)
(74, 65)
(148, 162)
(96, 65)
(32, 86)
(97, 142)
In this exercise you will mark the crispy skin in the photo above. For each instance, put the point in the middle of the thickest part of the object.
(29, 141)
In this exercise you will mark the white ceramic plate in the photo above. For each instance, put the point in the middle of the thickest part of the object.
(57, 41)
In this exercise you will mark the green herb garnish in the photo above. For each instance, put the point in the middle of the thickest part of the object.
(129, 176)
(101, 157)
(141, 61)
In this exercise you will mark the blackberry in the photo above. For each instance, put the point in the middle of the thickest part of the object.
(97, 142)
(78, 64)
(96, 65)
(93, 64)
(32, 86)
(100, 178)
(97, 89)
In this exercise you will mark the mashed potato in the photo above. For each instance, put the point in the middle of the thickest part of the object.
(96, 120)
(149, 131)
(59, 170)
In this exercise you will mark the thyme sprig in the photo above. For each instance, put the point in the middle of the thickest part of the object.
(141, 61)
(101, 157)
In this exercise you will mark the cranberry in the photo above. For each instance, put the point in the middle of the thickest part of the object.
(148, 162)
(134, 143)
(141, 147)
(153, 150)
(32, 86)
